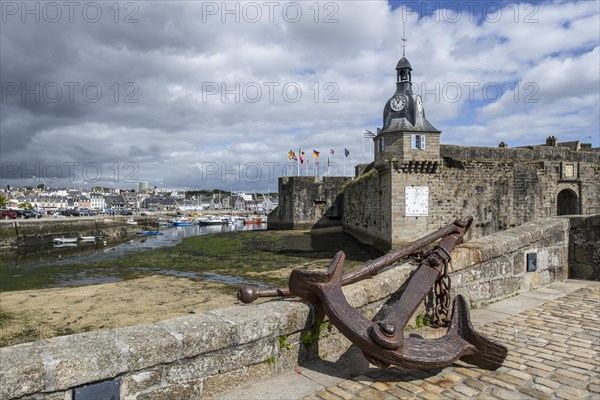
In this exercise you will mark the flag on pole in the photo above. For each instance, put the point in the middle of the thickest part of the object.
(315, 154)
(346, 152)
(290, 154)
(331, 152)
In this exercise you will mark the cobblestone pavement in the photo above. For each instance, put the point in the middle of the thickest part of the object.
(553, 354)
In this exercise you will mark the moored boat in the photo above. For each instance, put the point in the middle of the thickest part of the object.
(62, 240)
(149, 233)
(183, 221)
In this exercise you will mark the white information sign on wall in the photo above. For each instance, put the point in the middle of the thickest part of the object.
(416, 199)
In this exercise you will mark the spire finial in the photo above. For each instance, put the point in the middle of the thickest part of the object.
(404, 39)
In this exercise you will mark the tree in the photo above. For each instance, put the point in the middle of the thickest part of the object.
(26, 205)
(41, 186)
(3, 201)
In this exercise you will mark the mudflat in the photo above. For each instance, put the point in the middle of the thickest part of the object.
(30, 315)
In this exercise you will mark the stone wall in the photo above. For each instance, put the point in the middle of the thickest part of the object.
(23, 234)
(306, 202)
(584, 247)
(500, 187)
(200, 355)
(366, 216)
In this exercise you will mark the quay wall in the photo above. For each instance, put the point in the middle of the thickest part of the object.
(201, 355)
(27, 233)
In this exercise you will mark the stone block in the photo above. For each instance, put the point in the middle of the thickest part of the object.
(83, 358)
(200, 333)
(22, 370)
(191, 390)
(135, 382)
(356, 295)
(464, 256)
(221, 361)
(292, 315)
(148, 345)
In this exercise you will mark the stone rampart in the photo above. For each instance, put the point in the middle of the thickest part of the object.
(308, 202)
(200, 355)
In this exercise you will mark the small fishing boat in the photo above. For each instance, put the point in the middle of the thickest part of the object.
(252, 221)
(149, 233)
(164, 222)
(88, 238)
(182, 221)
(63, 240)
(131, 221)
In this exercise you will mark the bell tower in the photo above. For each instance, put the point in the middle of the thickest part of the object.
(407, 139)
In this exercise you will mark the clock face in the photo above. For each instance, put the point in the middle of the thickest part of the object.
(419, 105)
(398, 102)
(416, 199)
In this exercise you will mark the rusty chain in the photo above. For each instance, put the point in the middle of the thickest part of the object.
(442, 288)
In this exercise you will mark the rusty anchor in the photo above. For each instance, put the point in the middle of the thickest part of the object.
(383, 343)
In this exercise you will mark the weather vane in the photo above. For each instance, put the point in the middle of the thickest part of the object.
(404, 39)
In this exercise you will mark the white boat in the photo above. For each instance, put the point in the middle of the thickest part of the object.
(62, 240)
(212, 220)
(58, 245)
(131, 221)
(88, 238)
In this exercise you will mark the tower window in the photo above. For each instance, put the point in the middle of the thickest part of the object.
(381, 145)
(417, 142)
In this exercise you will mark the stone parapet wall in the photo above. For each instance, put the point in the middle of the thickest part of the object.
(529, 153)
(584, 247)
(200, 355)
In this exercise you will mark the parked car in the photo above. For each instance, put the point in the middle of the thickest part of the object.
(28, 214)
(8, 214)
(70, 213)
(126, 212)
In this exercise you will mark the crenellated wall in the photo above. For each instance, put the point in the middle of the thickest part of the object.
(200, 355)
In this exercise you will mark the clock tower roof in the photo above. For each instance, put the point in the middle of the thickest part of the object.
(404, 110)
(403, 63)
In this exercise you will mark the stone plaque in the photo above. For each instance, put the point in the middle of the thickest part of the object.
(416, 200)
(569, 170)
(107, 390)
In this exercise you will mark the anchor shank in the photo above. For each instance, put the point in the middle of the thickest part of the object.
(373, 267)
(397, 318)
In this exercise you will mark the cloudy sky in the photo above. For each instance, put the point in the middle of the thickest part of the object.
(214, 94)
